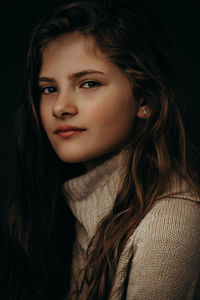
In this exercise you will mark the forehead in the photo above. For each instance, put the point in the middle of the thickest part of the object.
(72, 44)
(72, 53)
(69, 38)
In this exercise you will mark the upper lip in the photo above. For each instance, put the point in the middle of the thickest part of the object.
(68, 128)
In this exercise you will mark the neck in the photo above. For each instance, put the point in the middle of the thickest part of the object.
(91, 164)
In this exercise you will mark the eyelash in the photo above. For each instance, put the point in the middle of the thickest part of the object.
(42, 89)
(93, 82)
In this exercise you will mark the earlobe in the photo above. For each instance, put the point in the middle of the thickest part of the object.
(143, 112)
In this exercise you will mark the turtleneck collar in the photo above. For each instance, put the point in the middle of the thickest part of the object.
(91, 196)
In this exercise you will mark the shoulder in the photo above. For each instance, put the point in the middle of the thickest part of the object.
(162, 256)
(174, 219)
(176, 212)
(165, 250)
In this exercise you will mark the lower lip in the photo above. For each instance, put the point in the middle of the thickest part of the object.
(68, 134)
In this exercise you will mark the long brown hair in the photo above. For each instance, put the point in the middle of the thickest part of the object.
(131, 37)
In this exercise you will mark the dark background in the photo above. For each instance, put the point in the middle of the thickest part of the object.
(180, 20)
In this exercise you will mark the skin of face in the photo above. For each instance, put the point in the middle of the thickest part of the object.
(84, 89)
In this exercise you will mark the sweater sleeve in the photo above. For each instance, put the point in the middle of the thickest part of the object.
(166, 261)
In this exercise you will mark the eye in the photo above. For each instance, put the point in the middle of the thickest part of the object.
(90, 84)
(48, 90)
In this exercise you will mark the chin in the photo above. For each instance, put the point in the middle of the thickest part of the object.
(84, 154)
(82, 157)
(73, 157)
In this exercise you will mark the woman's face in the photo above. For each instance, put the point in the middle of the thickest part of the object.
(87, 107)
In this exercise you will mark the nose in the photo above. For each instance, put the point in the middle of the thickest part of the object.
(64, 105)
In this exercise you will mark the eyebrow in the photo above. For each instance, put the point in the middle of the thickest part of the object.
(71, 76)
(46, 79)
(85, 72)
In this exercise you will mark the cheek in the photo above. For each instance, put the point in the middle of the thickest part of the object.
(115, 115)
(45, 121)
(44, 114)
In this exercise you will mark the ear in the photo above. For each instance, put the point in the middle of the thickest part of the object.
(143, 111)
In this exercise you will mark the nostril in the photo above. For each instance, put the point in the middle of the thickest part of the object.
(62, 114)
(66, 114)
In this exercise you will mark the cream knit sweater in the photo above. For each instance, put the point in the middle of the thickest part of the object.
(161, 260)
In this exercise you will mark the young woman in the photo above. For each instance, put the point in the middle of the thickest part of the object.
(106, 203)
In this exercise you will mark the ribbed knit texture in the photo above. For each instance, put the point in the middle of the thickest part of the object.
(161, 260)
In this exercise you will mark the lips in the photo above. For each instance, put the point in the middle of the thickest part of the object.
(68, 128)
(68, 131)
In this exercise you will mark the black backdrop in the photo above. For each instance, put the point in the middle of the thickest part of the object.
(180, 20)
